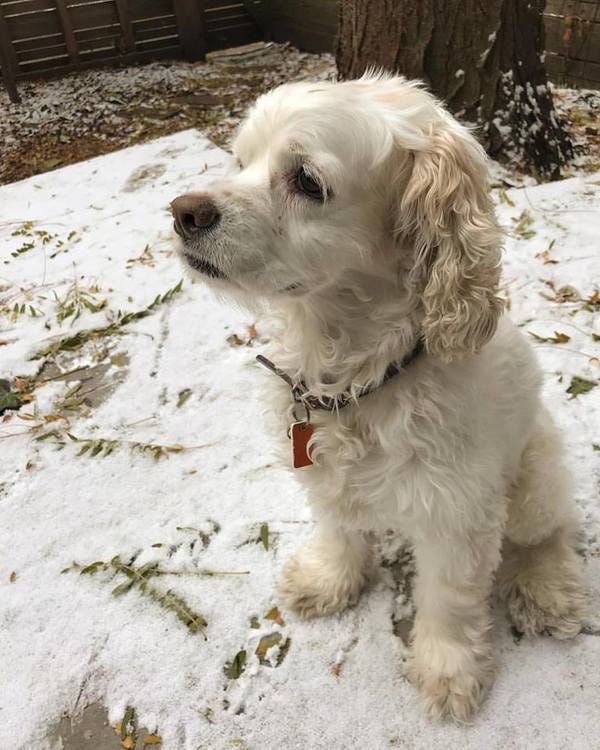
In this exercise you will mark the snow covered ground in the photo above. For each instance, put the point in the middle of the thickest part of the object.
(176, 498)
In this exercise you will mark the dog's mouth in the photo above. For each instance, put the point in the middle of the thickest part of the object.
(204, 266)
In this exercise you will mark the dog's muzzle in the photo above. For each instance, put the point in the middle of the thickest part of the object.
(196, 214)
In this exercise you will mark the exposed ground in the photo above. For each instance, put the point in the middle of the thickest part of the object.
(74, 117)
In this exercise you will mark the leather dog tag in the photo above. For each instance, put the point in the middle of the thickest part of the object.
(300, 434)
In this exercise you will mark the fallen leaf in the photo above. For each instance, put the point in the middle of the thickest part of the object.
(127, 717)
(123, 588)
(264, 535)
(522, 224)
(579, 386)
(13, 577)
(592, 303)
(545, 254)
(235, 340)
(558, 338)
(265, 643)
(128, 743)
(283, 651)
(566, 293)
(254, 622)
(152, 739)
(120, 359)
(546, 258)
(505, 198)
(23, 385)
(336, 669)
(183, 397)
(275, 615)
(8, 398)
(235, 668)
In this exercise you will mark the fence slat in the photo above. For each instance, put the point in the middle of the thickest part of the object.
(8, 60)
(190, 19)
(126, 27)
(70, 41)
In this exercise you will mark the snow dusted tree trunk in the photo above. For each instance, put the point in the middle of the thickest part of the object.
(485, 59)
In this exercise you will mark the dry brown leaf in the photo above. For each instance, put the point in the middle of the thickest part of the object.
(152, 739)
(275, 615)
(265, 643)
(128, 743)
(22, 384)
(545, 256)
(235, 340)
(566, 293)
(13, 577)
(558, 338)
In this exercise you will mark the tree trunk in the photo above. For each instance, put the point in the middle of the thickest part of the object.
(484, 59)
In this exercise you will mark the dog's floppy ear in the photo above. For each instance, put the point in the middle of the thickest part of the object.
(447, 212)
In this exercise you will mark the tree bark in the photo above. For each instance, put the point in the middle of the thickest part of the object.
(484, 58)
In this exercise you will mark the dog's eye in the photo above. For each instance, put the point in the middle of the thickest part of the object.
(307, 184)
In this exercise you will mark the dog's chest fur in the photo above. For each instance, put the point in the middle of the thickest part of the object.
(393, 460)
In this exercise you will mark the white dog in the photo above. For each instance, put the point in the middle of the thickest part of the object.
(360, 217)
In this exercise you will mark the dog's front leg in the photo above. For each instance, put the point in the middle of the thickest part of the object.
(452, 659)
(328, 573)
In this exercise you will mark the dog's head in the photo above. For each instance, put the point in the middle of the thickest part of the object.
(336, 180)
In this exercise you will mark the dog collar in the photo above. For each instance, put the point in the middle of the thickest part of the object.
(302, 395)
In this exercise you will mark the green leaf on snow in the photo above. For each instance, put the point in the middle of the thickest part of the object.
(580, 385)
(234, 668)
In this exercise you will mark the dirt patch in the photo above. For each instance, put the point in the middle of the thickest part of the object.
(97, 382)
(581, 109)
(91, 731)
(142, 176)
(73, 117)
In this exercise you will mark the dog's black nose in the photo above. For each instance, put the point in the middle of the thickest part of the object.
(194, 213)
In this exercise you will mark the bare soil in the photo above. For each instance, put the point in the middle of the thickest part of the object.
(69, 118)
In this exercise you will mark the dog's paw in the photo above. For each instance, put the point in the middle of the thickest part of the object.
(311, 590)
(544, 592)
(557, 610)
(454, 698)
(453, 678)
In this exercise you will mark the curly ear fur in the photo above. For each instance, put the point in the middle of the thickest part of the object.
(447, 211)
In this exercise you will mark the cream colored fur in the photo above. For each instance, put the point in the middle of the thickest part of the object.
(457, 453)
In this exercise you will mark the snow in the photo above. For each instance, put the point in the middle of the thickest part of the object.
(65, 641)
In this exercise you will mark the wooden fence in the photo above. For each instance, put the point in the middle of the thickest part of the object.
(43, 37)
(573, 42)
(310, 25)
